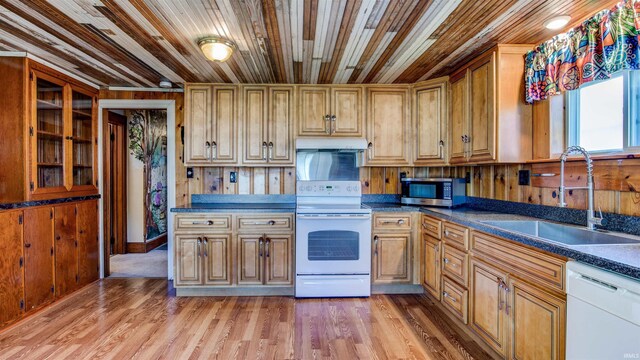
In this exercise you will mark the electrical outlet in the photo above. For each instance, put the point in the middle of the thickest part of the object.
(524, 177)
(189, 173)
(232, 177)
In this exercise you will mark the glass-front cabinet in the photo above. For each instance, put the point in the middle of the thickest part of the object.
(64, 139)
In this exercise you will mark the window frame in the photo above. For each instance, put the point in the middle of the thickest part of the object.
(631, 117)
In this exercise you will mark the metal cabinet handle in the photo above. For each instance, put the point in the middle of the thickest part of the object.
(214, 150)
(369, 150)
(271, 222)
(207, 146)
(400, 221)
(446, 294)
(207, 222)
(270, 150)
(199, 246)
(264, 150)
(267, 243)
(206, 246)
(27, 245)
(446, 261)
(375, 244)
(332, 125)
(441, 149)
(260, 241)
(327, 120)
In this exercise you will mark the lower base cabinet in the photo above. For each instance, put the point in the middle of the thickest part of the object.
(391, 254)
(203, 259)
(265, 259)
(46, 252)
(431, 268)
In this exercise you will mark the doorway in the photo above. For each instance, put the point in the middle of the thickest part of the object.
(135, 193)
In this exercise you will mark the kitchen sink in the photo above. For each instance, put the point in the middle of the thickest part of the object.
(564, 234)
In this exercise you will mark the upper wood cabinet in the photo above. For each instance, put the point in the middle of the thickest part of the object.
(388, 126)
(430, 122)
(211, 117)
(49, 123)
(330, 111)
(268, 113)
(490, 121)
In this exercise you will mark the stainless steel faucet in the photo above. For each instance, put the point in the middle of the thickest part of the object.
(592, 221)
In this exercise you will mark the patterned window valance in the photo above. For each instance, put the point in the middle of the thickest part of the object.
(602, 45)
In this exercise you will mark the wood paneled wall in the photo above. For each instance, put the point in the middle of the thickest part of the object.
(616, 186)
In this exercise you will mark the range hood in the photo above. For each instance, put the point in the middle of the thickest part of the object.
(331, 144)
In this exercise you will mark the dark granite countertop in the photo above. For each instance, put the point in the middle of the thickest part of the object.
(236, 207)
(26, 204)
(389, 207)
(621, 259)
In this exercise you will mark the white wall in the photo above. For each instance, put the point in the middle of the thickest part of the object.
(135, 198)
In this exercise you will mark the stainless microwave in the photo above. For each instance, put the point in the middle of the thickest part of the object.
(433, 191)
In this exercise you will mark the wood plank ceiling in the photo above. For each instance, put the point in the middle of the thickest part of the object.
(140, 42)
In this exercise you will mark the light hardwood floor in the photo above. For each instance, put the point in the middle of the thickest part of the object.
(142, 318)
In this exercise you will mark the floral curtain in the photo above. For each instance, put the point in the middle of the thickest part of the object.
(602, 45)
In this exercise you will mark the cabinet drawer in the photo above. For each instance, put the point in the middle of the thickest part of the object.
(530, 264)
(455, 264)
(454, 298)
(455, 235)
(254, 223)
(392, 221)
(203, 222)
(432, 226)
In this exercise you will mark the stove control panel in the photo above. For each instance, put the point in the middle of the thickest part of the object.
(328, 188)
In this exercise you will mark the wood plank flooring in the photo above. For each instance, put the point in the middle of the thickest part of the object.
(143, 319)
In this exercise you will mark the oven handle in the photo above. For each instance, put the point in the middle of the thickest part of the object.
(336, 217)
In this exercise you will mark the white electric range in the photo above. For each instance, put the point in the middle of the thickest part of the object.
(333, 240)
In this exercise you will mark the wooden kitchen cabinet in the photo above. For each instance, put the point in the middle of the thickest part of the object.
(388, 126)
(66, 249)
(49, 122)
(265, 259)
(432, 254)
(203, 259)
(391, 258)
(11, 266)
(488, 304)
(210, 122)
(268, 113)
(330, 111)
(430, 122)
(39, 264)
(88, 244)
(490, 121)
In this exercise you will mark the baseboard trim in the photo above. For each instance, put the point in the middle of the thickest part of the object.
(145, 247)
(397, 289)
(235, 291)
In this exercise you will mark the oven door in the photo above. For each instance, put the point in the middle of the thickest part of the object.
(333, 244)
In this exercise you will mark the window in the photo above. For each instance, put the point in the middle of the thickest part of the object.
(603, 116)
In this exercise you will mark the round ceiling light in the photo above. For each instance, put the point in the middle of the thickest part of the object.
(216, 49)
(557, 22)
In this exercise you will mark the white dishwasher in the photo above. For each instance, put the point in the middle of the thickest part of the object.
(603, 314)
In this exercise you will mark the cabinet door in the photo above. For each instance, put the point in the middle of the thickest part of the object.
(11, 275)
(197, 124)
(487, 307)
(313, 108)
(50, 146)
(224, 127)
(84, 139)
(481, 111)
(538, 326)
(66, 249)
(346, 105)
(280, 139)
(254, 112)
(430, 124)
(38, 257)
(388, 126)
(278, 260)
(391, 258)
(217, 259)
(431, 271)
(88, 247)
(250, 253)
(458, 121)
(188, 260)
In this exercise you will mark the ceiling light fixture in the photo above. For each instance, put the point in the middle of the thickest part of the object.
(216, 49)
(557, 22)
